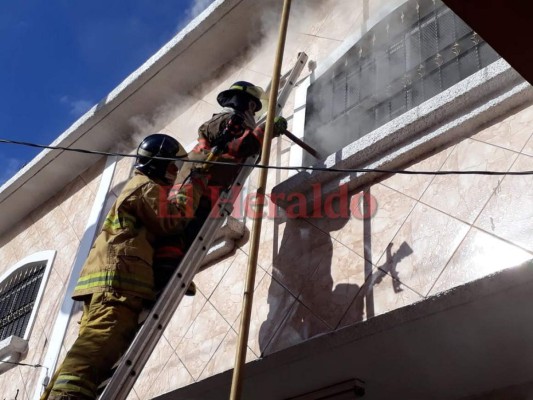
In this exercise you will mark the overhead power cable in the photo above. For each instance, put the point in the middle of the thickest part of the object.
(274, 167)
(23, 364)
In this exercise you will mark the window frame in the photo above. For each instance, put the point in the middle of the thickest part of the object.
(14, 347)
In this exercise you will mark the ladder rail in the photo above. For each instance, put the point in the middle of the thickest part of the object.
(146, 339)
(151, 331)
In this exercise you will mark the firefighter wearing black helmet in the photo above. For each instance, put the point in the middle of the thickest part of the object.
(117, 276)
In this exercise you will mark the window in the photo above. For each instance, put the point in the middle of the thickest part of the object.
(21, 289)
(415, 53)
(416, 82)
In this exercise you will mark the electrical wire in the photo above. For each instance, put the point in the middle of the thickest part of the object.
(273, 167)
(23, 364)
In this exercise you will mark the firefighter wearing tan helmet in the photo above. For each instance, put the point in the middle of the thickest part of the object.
(234, 135)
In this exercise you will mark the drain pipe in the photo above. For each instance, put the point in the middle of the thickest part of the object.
(242, 345)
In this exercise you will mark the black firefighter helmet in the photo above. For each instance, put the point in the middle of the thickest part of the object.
(240, 94)
(157, 145)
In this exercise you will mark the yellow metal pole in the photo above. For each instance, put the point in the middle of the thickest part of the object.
(242, 345)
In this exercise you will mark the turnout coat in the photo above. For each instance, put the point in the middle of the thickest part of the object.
(121, 257)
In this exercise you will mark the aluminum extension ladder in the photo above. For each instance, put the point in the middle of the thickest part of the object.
(135, 358)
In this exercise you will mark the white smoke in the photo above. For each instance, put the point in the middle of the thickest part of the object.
(307, 18)
(334, 135)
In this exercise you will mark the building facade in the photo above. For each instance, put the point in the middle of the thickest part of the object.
(393, 86)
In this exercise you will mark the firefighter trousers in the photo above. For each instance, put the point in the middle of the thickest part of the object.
(107, 328)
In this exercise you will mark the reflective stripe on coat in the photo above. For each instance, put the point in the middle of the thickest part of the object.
(121, 257)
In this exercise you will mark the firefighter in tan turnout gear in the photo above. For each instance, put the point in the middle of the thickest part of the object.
(118, 276)
(234, 132)
(233, 135)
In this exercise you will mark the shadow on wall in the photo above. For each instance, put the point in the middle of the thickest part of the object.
(304, 267)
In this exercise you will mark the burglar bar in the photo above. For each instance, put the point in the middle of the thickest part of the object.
(17, 298)
(418, 51)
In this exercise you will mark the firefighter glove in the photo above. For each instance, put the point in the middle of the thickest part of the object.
(280, 126)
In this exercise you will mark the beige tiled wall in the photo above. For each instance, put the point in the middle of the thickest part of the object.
(57, 225)
(428, 234)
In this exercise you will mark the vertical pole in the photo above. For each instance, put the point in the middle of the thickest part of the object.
(242, 344)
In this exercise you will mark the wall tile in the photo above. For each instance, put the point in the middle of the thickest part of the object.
(415, 185)
(511, 133)
(7, 257)
(30, 377)
(334, 285)
(202, 340)
(391, 210)
(275, 177)
(509, 212)
(224, 358)
(389, 295)
(208, 279)
(133, 395)
(271, 305)
(303, 247)
(528, 148)
(228, 296)
(92, 175)
(312, 15)
(380, 294)
(34, 242)
(317, 48)
(153, 368)
(272, 231)
(76, 203)
(65, 256)
(51, 301)
(37, 344)
(479, 255)
(425, 242)
(301, 324)
(174, 375)
(464, 196)
(26, 242)
(40, 215)
(20, 233)
(12, 385)
(56, 230)
(261, 60)
(184, 317)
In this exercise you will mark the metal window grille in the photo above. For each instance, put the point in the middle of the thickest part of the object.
(17, 298)
(418, 51)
